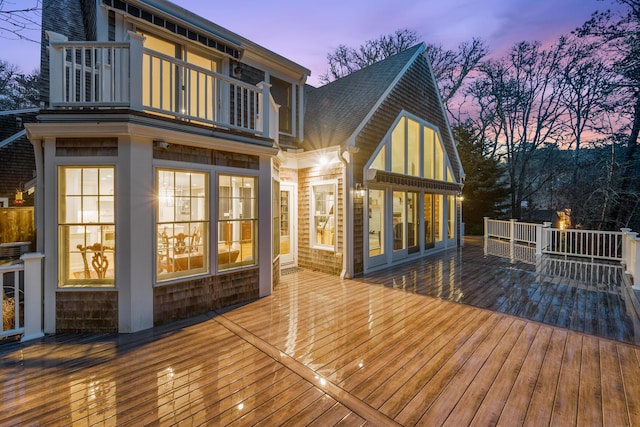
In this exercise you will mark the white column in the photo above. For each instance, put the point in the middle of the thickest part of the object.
(49, 191)
(265, 223)
(134, 234)
(32, 296)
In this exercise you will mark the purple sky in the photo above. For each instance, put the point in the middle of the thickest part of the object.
(306, 31)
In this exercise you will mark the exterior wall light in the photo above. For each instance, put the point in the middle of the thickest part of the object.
(360, 190)
(18, 200)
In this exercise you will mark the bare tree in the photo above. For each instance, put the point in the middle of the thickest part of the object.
(452, 67)
(18, 18)
(520, 108)
(345, 60)
(618, 36)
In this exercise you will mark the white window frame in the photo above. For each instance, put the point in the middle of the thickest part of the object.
(313, 232)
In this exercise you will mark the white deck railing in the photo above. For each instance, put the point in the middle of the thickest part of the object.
(519, 238)
(21, 292)
(126, 75)
(12, 292)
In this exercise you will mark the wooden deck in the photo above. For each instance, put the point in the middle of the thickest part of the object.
(321, 351)
(572, 294)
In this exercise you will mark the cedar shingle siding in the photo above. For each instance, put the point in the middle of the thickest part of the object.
(62, 17)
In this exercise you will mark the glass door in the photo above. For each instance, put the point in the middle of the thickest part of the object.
(376, 239)
(429, 241)
(288, 239)
(399, 230)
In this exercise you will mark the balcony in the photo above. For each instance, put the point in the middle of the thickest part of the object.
(126, 75)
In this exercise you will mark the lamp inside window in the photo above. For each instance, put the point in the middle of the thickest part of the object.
(18, 200)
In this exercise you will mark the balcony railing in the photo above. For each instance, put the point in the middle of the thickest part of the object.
(21, 296)
(512, 239)
(127, 75)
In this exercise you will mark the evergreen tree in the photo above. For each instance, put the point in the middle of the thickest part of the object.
(485, 190)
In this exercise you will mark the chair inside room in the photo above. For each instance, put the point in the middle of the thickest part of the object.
(97, 266)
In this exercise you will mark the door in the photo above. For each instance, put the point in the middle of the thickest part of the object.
(288, 220)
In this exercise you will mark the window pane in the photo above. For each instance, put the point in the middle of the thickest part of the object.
(428, 220)
(413, 148)
(376, 222)
(398, 148)
(439, 159)
(323, 215)
(72, 208)
(73, 181)
(412, 222)
(439, 216)
(90, 209)
(379, 162)
(107, 182)
(398, 220)
(182, 224)
(89, 181)
(451, 223)
(429, 136)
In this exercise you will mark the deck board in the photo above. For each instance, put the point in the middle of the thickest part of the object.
(399, 347)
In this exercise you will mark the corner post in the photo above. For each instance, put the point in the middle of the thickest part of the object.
(135, 70)
(265, 106)
(486, 235)
(512, 240)
(32, 296)
(57, 83)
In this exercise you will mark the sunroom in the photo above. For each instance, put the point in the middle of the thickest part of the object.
(413, 198)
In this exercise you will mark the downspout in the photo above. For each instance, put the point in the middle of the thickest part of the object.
(347, 237)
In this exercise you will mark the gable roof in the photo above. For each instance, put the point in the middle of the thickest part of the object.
(334, 111)
(359, 109)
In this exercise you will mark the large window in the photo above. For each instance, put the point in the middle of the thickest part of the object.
(413, 149)
(182, 223)
(323, 215)
(237, 221)
(86, 226)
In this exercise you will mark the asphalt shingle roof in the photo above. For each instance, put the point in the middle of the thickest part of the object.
(334, 111)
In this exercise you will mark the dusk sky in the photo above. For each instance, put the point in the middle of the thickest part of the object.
(307, 32)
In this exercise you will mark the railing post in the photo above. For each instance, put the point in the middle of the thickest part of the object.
(134, 72)
(626, 242)
(56, 68)
(486, 235)
(512, 240)
(265, 105)
(635, 261)
(32, 296)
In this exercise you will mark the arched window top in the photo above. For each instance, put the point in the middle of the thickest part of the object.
(413, 147)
